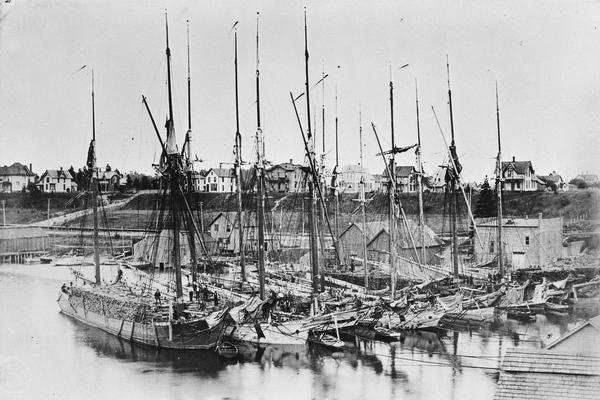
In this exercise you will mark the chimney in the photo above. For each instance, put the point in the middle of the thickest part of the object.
(513, 158)
(30, 168)
(291, 160)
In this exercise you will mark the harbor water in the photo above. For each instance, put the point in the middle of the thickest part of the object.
(44, 354)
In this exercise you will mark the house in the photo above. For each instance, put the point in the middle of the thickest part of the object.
(286, 178)
(349, 178)
(351, 239)
(406, 178)
(526, 241)
(379, 184)
(519, 176)
(220, 180)
(15, 178)
(224, 231)
(56, 181)
(540, 374)
(199, 180)
(409, 251)
(586, 180)
(554, 182)
(584, 339)
(109, 181)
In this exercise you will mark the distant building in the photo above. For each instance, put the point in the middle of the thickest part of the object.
(109, 181)
(15, 178)
(554, 181)
(224, 231)
(199, 180)
(589, 179)
(406, 178)
(220, 180)
(285, 178)
(349, 178)
(526, 241)
(57, 181)
(378, 248)
(351, 239)
(519, 176)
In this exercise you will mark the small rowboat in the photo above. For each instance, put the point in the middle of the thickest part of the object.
(521, 315)
(557, 309)
(328, 341)
(227, 350)
(388, 335)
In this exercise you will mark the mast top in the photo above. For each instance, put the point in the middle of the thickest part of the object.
(188, 47)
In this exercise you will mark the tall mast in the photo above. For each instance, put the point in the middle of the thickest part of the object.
(420, 178)
(323, 108)
(392, 195)
(314, 251)
(189, 165)
(238, 167)
(335, 169)
(362, 202)
(260, 169)
(499, 190)
(453, 179)
(95, 190)
(173, 156)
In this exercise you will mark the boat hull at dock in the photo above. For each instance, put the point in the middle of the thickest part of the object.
(183, 336)
(286, 333)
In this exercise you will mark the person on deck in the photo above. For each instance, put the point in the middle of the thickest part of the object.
(191, 296)
(157, 296)
(216, 299)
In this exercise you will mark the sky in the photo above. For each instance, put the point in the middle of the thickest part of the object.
(544, 55)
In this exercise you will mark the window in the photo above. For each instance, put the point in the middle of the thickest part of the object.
(228, 228)
(491, 246)
(47, 179)
(216, 227)
(527, 240)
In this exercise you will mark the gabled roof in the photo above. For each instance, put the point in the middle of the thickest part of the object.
(402, 171)
(403, 236)
(371, 228)
(541, 374)
(593, 322)
(552, 178)
(16, 169)
(221, 172)
(107, 175)
(286, 166)
(57, 174)
(520, 167)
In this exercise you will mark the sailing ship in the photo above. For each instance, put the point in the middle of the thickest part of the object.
(136, 313)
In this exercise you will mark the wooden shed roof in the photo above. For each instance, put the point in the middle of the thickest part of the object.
(542, 374)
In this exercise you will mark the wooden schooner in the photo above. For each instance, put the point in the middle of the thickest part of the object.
(138, 314)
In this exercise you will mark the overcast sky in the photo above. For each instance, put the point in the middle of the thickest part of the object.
(545, 56)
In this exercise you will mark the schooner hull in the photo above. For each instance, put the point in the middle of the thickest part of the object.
(184, 336)
(287, 333)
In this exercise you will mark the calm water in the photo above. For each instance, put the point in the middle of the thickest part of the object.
(44, 354)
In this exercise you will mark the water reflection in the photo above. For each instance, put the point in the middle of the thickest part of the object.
(202, 362)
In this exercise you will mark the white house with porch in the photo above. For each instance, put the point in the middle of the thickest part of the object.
(56, 181)
(15, 178)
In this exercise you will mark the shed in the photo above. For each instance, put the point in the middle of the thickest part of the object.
(542, 374)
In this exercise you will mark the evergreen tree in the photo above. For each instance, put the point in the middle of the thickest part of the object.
(486, 204)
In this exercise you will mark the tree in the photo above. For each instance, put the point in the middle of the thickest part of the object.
(580, 183)
(486, 204)
(108, 168)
